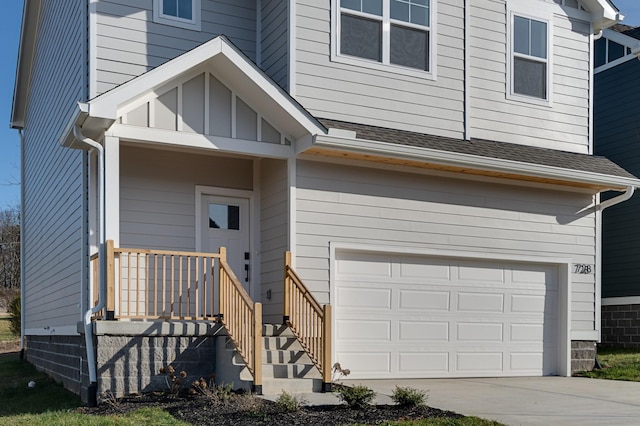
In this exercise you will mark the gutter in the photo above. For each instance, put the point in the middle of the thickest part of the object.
(617, 200)
(88, 330)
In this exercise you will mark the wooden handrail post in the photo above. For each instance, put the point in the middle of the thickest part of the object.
(326, 348)
(257, 348)
(287, 288)
(111, 279)
(221, 277)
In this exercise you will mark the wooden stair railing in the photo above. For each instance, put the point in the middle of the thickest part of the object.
(310, 322)
(161, 284)
(243, 320)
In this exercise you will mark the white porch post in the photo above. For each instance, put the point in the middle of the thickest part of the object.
(112, 188)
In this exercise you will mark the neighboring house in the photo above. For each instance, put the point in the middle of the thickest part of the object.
(425, 163)
(617, 135)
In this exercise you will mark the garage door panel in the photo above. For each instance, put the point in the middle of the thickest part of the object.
(423, 362)
(412, 331)
(483, 302)
(352, 297)
(479, 332)
(424, 300)
(444, 317)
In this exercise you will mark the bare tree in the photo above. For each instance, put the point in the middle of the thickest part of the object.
(9, 255)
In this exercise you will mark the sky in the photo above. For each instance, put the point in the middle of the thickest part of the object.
(10, 20)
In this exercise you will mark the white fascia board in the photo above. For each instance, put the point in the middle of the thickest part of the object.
(199, 141)
(620, 38)
(471, 161)
(603, 13)
(107, 105)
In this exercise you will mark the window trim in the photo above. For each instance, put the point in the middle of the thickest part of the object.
(385, 65)
(529, 13)
(191, 24)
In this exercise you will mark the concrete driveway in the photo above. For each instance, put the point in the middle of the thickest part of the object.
(527, 401)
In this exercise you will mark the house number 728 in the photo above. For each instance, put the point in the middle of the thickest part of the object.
(581, 268)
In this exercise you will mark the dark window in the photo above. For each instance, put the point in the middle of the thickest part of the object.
(361, 37)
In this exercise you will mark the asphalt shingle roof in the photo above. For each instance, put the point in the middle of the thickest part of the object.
(485, 148)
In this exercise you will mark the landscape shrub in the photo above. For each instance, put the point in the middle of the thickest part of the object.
(409, 397)
(356, 397)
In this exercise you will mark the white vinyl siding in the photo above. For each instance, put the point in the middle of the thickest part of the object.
(129, 43)
(53, 175)
(347, 204)
(157, 194)
(564, 124)
(382, 98)
(274, 42)
(274, 238)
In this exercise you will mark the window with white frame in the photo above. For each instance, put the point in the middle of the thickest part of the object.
(529, 57)
(389, 32)
(178, 13)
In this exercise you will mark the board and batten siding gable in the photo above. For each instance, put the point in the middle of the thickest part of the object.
(357, 205)
(53, 175)
(274, 41)
(384, 98)
(564, 124)
(617, 136)
(129, 43)
(157, 194)
(274, 235)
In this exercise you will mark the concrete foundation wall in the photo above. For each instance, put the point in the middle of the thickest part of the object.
(621, 326)
(131, 364)
(583, 355)
(63, 358)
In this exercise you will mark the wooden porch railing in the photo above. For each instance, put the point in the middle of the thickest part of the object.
(310, 322)
(160, 284)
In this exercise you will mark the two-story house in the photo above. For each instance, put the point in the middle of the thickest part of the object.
(616, 135)
(408, 184)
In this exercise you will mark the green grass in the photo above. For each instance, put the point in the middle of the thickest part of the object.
(50, 404)
(5, 334)
(619, 364)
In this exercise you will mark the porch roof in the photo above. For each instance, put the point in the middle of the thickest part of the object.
(476, 156)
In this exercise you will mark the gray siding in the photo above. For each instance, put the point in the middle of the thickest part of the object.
(564, 125)
(338, 203)
(274, 41)
(274, 240)
(617, 136)
(157, 194)
(379, 97)
(53, 174)
(129, 43)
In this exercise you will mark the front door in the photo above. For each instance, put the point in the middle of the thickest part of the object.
(226, 224)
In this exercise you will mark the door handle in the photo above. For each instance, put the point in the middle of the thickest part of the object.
(246, 270)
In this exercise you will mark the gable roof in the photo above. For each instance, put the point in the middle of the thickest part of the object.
(222, 58)
(479, 156)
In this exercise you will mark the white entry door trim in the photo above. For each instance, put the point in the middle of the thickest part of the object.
(564, 283)
(202, 191)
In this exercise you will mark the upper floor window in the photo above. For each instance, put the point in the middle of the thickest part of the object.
(386, 32)
(179, 13)
(529, 57)
(606, 51)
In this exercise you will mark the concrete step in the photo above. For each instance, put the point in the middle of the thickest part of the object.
(290, 371)
(273, 330)
(292, 386)
(286, 343)
(285, 357)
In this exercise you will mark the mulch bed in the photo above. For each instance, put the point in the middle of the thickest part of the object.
(249, 410)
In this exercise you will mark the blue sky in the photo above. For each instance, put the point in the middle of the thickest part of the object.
(10, 20)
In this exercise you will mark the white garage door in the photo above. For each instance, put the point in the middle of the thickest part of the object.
(399, 316)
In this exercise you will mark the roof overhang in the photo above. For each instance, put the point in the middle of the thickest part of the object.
(28, 34)
(603, 14)
(222, 59)
(340, 145)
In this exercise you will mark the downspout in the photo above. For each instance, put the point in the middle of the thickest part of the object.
(88, 331)
(616, 200)
(22, 310)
